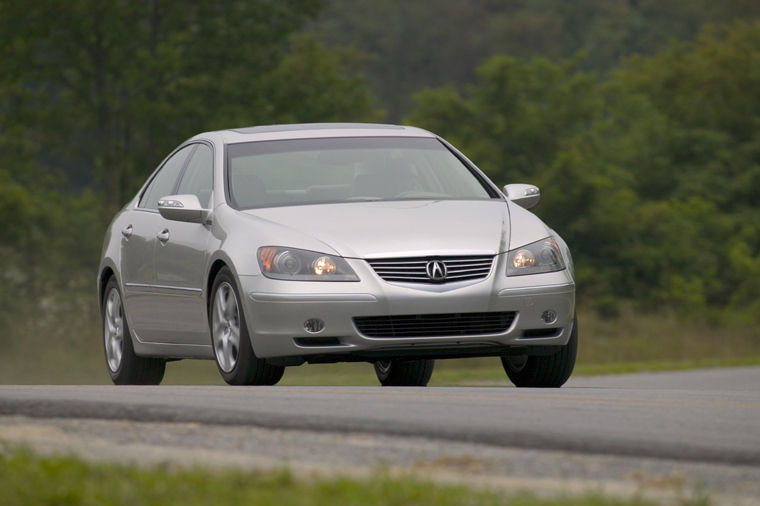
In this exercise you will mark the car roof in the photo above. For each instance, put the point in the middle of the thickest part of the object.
(315, 130)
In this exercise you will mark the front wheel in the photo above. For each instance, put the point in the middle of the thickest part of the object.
(234, 355)
(124, 366)
(404, 373)
(543, 371)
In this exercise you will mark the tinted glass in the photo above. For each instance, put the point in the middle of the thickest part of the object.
(310, 171)
(163, 184)
(198, 175)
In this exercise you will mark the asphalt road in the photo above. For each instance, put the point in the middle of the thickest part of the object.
(701, 416)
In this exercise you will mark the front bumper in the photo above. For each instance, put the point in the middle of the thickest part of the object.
(276, 310)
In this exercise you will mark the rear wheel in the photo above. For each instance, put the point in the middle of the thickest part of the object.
(124, 366)
(234, 355)
(543, 371)
(404, 373)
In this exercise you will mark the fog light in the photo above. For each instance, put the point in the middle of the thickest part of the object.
(549, 316)
(313, 325)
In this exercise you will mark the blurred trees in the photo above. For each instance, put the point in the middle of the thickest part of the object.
(649, 164)
(110, 87)
(651, 173)
(94, 94)
(413, 44)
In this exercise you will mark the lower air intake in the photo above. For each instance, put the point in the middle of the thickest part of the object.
(435, 325)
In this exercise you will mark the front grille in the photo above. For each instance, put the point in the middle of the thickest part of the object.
(435, 325)
(413, 269)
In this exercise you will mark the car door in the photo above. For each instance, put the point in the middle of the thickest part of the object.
(180, 260)
(143, 224)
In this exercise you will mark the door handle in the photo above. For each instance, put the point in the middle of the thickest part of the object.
(163, 236)
(127, 231)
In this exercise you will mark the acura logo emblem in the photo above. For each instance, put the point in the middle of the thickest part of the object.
(436, 270)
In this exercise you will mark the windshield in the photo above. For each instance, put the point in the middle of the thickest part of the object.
(312, 171)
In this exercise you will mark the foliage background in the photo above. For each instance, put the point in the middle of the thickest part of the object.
(639, 119)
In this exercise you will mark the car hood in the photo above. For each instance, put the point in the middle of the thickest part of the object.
(396, 228)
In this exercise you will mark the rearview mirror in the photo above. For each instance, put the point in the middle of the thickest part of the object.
(524, 195)
(182, 208)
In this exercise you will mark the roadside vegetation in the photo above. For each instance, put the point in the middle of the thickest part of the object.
(29, 479)
(645, 148)
(632, 342)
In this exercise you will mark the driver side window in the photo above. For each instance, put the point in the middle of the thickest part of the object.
(198, 176)
(164, 182)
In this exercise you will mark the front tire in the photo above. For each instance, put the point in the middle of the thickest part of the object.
(544, 371)
(404, 373)
(233, 352)
(124, 366)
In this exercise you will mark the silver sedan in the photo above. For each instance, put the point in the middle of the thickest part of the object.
(271, 246)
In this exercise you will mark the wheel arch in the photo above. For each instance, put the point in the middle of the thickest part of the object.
(106, 273)
(216, 266)
(217, 261)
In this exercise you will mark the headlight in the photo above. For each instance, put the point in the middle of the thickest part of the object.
(300, 265)
(540, 256)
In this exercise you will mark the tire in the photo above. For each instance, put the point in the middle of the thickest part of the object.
(544, 371)
(230, 340)
(404, 373)
(124, 366)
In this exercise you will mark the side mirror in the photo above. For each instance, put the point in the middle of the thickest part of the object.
(182, 208)
(524, 195)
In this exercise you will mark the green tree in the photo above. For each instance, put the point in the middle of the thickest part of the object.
(94, 94)
(651, 174)
(111, 87)
(414, 44)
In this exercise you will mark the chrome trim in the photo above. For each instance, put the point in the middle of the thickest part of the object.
(436, 270)
(177, 345)
(389, 255)
(539, 289)
(163, 287)
(448, 286)
(170, 203)
(311, 297)
(328, 347)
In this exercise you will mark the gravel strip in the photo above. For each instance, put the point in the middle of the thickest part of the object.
(358, 454)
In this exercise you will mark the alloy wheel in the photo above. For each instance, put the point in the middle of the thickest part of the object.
(225, 324)
(113, 333)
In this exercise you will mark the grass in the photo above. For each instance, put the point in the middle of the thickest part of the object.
(66, 348)
(29, 479)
